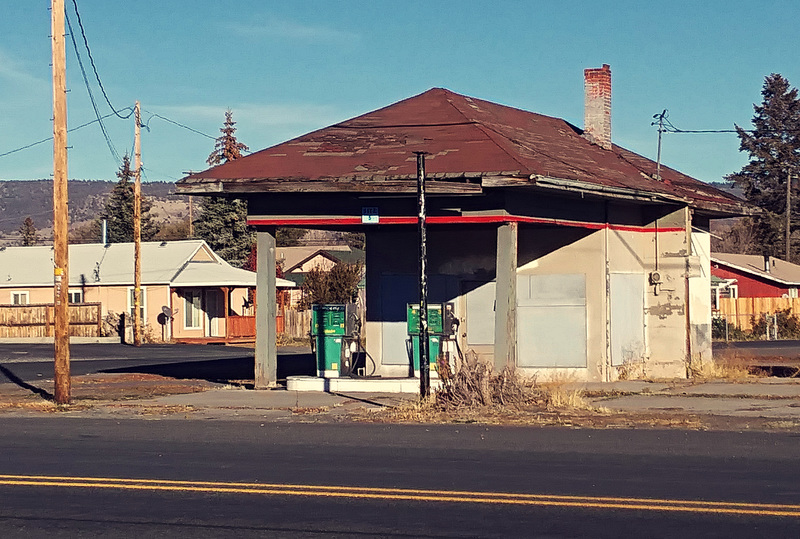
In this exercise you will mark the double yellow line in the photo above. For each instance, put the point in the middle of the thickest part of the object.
(451, 496)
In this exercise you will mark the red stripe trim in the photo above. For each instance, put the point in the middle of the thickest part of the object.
(461, 220)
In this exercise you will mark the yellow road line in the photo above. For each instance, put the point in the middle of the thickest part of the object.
(507, 498)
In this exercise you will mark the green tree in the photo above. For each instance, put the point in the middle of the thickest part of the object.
(119, 209)
(774, 148)
(289, 236)
(222, 222)
(29, 233)
(339, 285)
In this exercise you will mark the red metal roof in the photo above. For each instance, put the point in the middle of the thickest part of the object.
(463, 137)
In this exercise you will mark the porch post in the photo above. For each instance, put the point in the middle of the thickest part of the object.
(505, 323)
(226, 295)
(266, 354)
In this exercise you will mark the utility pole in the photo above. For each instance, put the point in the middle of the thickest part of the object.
(424, 352)
(191, 219)
(61, 393)
(660, 122)
(137, 229)
(788, 217)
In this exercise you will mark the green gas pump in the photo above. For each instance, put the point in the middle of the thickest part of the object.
(439, 329)
(329, 324)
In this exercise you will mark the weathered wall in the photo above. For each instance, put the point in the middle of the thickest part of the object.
(590, 284)
(699, 295)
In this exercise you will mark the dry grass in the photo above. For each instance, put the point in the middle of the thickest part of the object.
(729, 368)
(301, 410)
(474, 393)
(564, 392)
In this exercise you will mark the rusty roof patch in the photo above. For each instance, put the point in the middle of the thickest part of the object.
(463, 136)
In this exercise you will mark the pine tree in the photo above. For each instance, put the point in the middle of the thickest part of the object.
(119, 209)
(223, 221)
(774, 148)
(29, 233)
(227, 148)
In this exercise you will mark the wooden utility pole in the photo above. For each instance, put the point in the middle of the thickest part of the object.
(61, 391)
(137, 229)
(789, 217)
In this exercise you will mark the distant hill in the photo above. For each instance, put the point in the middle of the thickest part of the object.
(34, 199)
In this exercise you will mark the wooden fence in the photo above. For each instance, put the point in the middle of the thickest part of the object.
(296, 324)
(27, 321)
(741, 311)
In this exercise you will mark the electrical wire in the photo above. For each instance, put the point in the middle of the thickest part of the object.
(94, 67)
(146, 125)
(109, 142)
(667, 127)
(48, 139)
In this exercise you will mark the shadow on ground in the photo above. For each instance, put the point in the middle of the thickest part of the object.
(14, 379)
(238, 371)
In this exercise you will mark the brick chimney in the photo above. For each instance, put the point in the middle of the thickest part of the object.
(597, 106)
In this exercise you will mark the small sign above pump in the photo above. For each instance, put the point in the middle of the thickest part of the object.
(369, 215)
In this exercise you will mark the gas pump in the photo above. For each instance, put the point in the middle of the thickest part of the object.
(336, 339)
(442, 329)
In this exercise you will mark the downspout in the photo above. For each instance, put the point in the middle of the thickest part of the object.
(607, 364)
(688, 224)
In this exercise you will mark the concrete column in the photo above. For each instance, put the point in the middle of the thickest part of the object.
(266, 350)
(505, 325)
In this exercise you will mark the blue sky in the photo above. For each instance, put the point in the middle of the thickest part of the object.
(286, 68)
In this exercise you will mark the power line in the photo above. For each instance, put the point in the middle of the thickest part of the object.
(94, 68)
(48, 139)
(154, 115)
(109, 142)
(665, 126)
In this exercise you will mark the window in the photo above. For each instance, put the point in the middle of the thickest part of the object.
(75, 296)
(142, 307)
(793, 292)
(19, 298)
(191, 309)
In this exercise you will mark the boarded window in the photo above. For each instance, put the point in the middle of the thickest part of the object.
(551, 320)
(480, 297)
(627, 318)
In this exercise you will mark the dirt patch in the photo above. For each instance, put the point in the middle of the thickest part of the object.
(90, 390)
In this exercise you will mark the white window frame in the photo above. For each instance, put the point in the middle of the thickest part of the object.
(192, 313)
(142, 307)
(17, 298)
(793, 292)
(77, 294)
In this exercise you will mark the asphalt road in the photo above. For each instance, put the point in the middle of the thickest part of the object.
(786, 349)
(28, 362)
(219, 479)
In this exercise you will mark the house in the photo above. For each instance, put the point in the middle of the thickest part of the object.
(296, 262)
(561, 252)
(756, 276)
(188, 292)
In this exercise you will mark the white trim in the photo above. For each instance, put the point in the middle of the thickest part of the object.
(189, 307)
(20, 295)
(78, 294)
(142, 307)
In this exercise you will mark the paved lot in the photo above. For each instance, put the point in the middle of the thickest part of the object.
(214, 382)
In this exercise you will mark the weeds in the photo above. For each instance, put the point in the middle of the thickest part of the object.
(725, 368)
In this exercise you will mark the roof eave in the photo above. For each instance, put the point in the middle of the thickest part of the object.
(711, 209)
(578, 186)
(755, 272)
